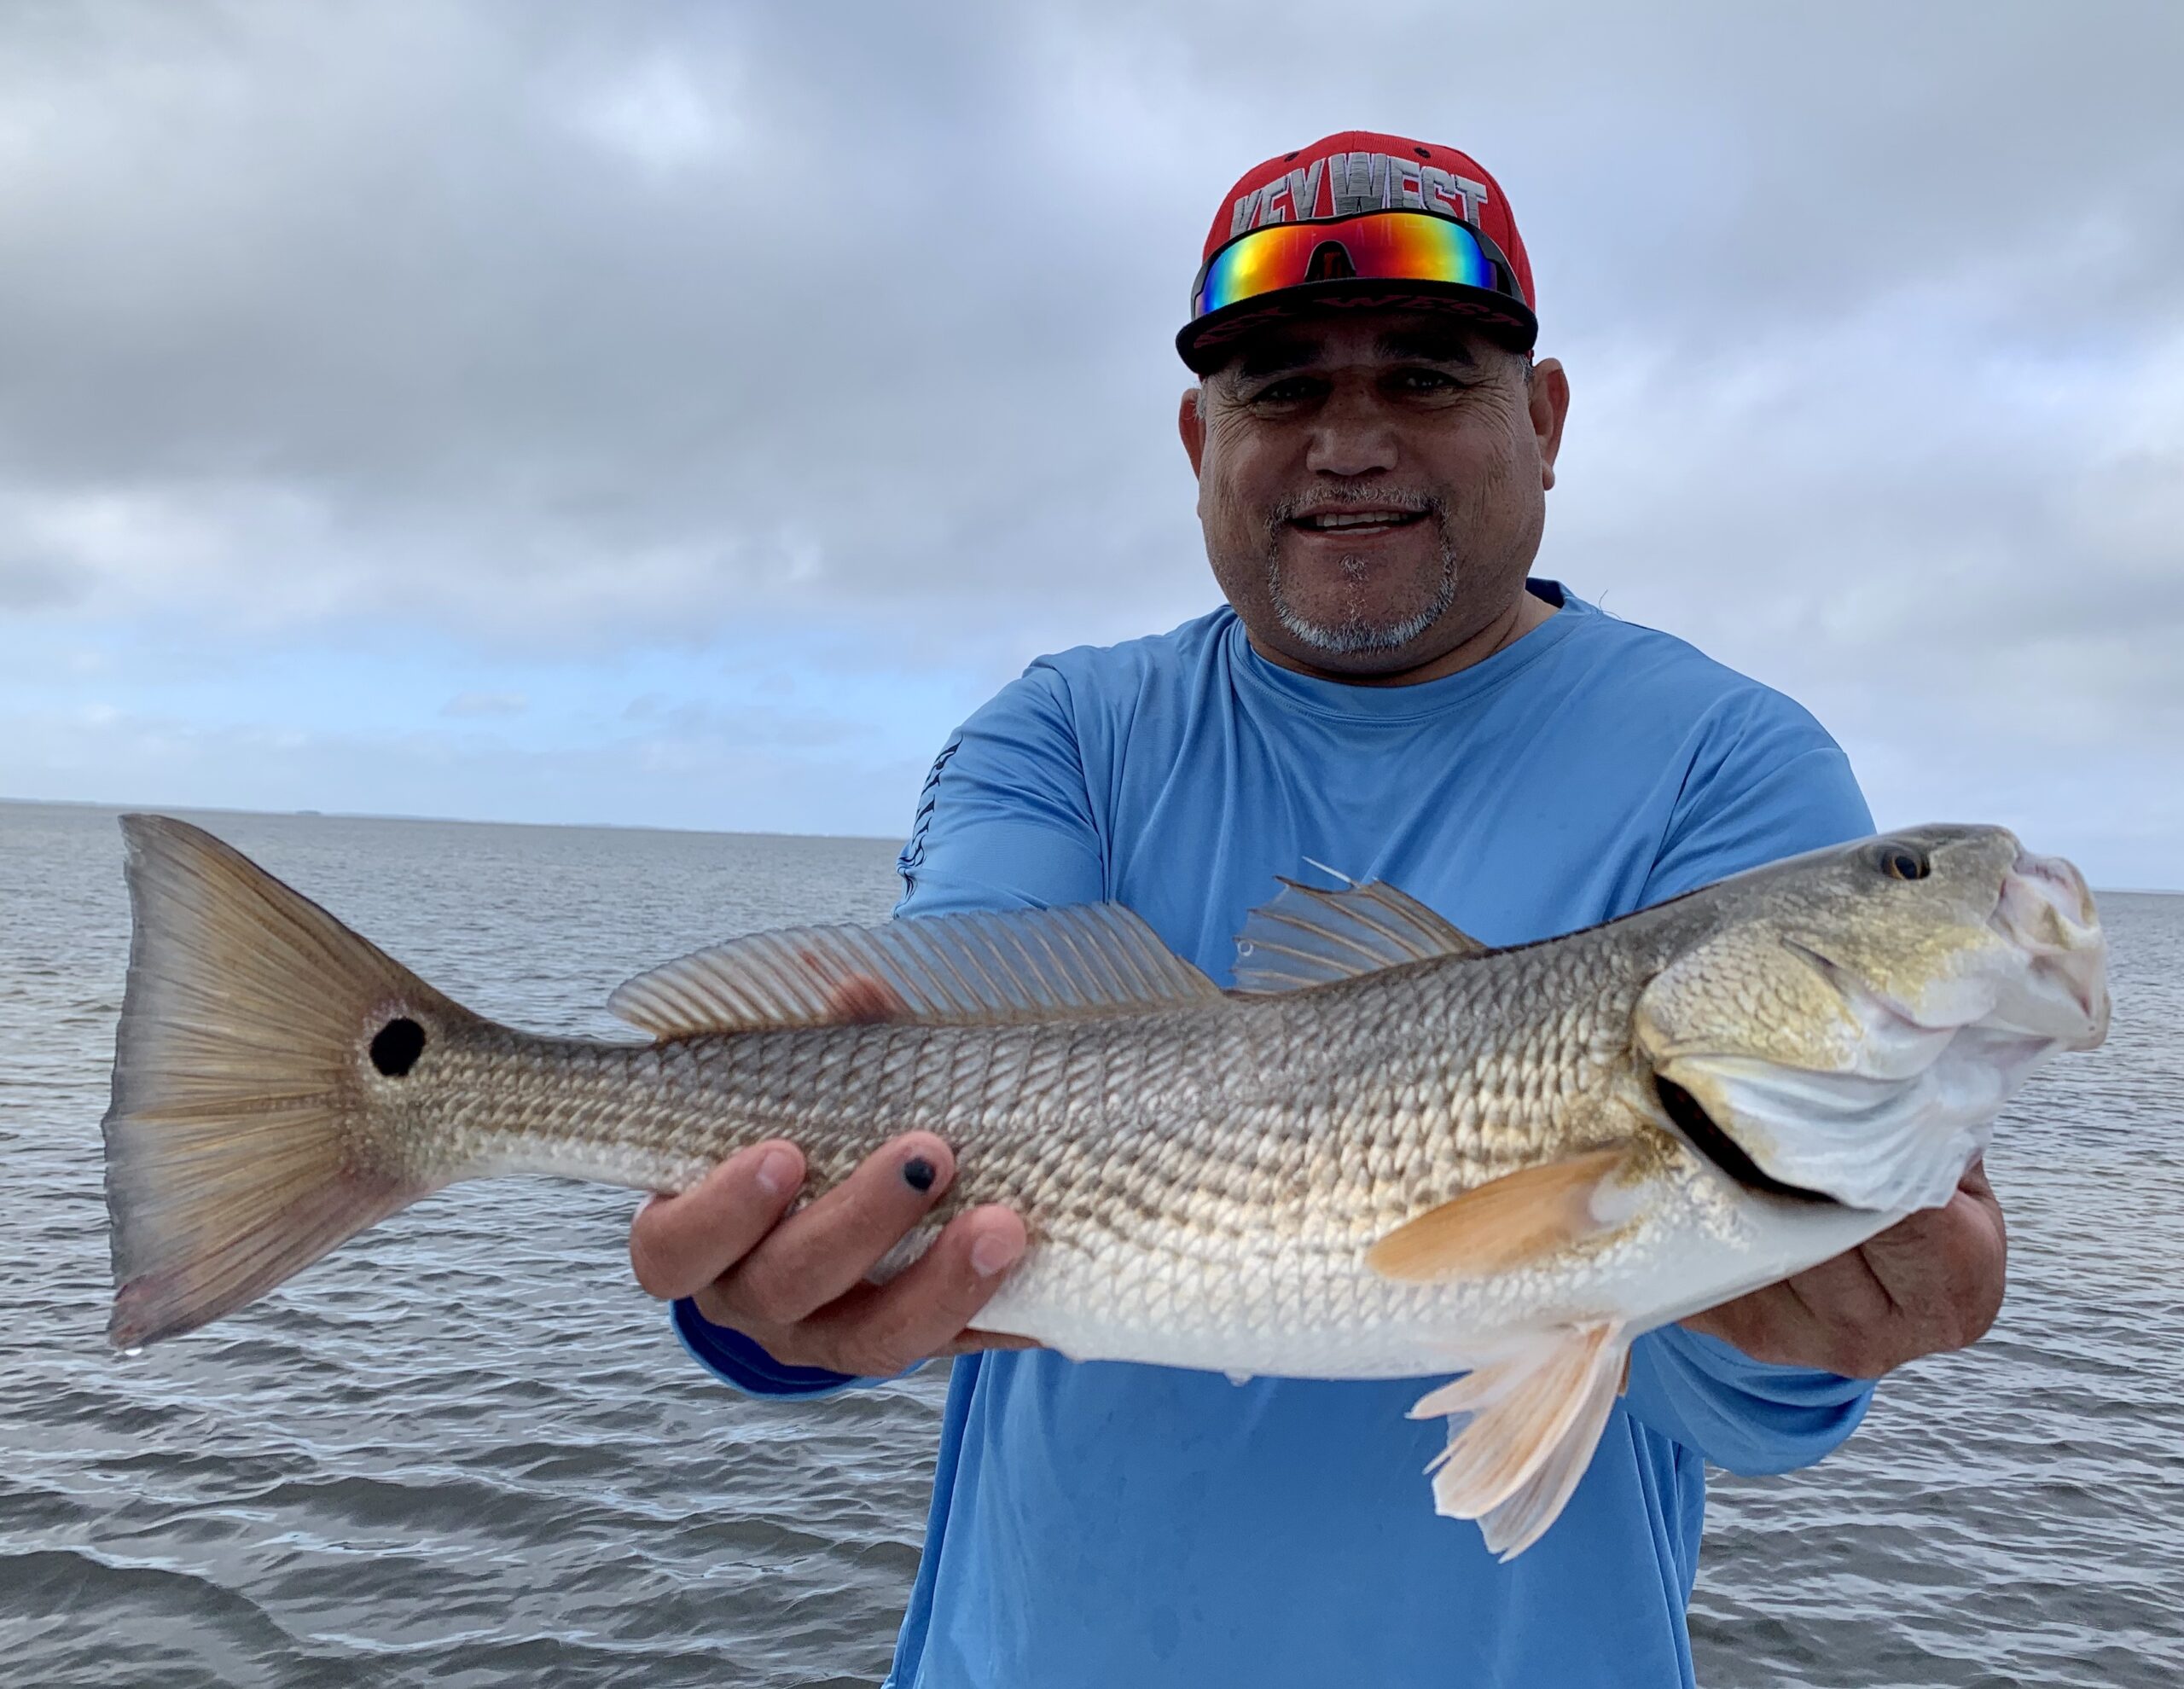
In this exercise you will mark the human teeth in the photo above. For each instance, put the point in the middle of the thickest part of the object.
(1375, 519)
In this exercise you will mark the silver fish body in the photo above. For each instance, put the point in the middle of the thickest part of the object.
(1391, 1153)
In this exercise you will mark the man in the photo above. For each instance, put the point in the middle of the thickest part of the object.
(1386, 693)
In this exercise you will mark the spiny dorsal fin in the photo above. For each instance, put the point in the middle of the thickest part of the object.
(1510, 1221)
(1016, 965)
(1310, 936)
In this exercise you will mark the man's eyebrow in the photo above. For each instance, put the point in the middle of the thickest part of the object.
(1274, 357)
(1279, 355)
(1426, 345)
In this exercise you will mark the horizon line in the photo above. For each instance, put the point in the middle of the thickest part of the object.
(612, 827)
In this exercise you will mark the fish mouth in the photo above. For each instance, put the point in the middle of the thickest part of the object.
(2046, 911)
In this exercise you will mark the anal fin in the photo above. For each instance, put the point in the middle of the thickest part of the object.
(1523, 1428)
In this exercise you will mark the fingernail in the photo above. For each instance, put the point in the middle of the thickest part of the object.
(776, 1172)
(991, 1255)
(918, 1173)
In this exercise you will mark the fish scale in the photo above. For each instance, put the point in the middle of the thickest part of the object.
(1391, 1153)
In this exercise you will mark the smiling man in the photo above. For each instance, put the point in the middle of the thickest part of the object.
(1388, 691)
(1334, 559)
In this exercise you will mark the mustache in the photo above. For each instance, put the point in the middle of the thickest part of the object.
(1416, 500)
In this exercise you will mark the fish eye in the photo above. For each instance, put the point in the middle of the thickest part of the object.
(1903, 861)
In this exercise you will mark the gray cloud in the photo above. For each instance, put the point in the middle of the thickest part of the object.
(37, 584)
(572, 332)
(516, 318)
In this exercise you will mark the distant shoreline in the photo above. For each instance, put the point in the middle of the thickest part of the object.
(432, 821)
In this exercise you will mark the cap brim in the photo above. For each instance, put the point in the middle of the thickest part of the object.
(1210, 341)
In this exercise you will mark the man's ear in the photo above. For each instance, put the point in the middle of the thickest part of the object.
(1549, 403)
(1190, 423)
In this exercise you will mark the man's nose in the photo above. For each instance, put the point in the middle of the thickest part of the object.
(1352, 435)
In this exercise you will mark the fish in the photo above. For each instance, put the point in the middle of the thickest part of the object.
(1387, 1151)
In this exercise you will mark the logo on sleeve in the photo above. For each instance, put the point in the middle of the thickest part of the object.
(913, 856)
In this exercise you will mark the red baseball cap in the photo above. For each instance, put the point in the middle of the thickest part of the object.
(1348, 176)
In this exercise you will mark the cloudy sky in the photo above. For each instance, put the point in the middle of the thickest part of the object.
(683, 414)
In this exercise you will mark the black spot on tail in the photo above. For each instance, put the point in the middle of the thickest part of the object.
(397, 1046)
(1699, 1131)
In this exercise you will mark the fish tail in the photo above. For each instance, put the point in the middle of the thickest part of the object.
(243, 1141)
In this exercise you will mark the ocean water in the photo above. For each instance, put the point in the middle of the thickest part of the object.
(468, 1453)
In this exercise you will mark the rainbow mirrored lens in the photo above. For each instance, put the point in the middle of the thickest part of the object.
(1381, 245)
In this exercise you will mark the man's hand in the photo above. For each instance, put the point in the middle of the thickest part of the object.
(1930, 1283)
(797, 1287)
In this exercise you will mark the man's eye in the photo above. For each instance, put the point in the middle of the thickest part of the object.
(1297, 390)
(1423, 382)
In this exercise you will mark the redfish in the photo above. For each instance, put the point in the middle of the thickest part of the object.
(1390, 1151)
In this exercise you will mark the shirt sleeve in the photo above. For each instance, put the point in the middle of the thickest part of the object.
(739, 1361)
(1765, 781)
(1004, 821)
(1740, 1414)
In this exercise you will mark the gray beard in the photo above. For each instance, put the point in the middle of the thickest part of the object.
(1356, 635)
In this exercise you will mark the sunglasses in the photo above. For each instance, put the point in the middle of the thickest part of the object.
(1380, 246)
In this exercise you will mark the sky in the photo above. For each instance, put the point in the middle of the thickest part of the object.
(683, 415)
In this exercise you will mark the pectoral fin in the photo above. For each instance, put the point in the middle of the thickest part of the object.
(1510, 1221)
(1522, 1428)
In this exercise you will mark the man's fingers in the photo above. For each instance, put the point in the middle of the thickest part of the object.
(924, 1308)
(970, 1340)
(1769, 1324)
(1932, 1281)
(1843, 1294)
(1946, 1268)
(678, 1245)
(825, 1250)
(1863, 1332)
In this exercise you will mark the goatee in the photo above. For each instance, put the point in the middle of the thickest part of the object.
(1361, 631)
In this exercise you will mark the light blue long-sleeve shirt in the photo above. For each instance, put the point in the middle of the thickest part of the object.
(1110, 1525)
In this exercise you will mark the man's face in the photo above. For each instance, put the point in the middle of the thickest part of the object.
(1371, 486)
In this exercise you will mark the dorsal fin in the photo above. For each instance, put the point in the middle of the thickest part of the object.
(1015, 964)
(1308, 936)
